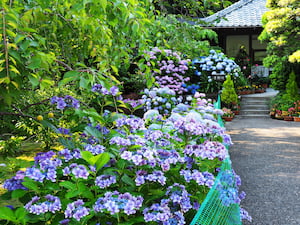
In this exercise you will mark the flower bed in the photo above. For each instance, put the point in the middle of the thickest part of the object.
(124, 169)
(121, 169)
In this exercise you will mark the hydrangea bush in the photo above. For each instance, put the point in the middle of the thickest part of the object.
(168, 69)
(122, 169)
(162, 99)
(206, 67)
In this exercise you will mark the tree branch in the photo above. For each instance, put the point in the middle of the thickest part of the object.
(5, 44)
(64, 64)
(38, 103)
(16, 114)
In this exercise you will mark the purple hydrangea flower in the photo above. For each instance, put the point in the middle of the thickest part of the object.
(14, 183)
(35, 174)
(114, 202)
(104, 181)
(52, 204)
(97, 88)
(95, 150)
(76, 210)
(114, 90)
(80, 171)
(120, 141)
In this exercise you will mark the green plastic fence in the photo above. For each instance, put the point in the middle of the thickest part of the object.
(218, 207)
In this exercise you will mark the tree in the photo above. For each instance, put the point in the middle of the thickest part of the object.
(191, 8)
(42, 40)
(228, 95)
(282, 33)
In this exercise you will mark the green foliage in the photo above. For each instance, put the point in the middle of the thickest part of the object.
(292, 90)
(24, 61)
(282, 32)
(44, 39)
(189, 39)
(281, 102)
(11, 146)
(228, 95)
(191, 8)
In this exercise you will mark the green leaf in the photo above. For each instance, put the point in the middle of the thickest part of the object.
(72, 194)
(88, 194)
(31, 185)
(20, 213)
(135, 27)
(19, 38)
(121, 164)
(127, 180)
(85, 191)
(115, 69)
(87, 156)
(69, 76)
(18, 193)
(134, 220)
(68, 185)
(34, 80)
(103, 4)
(4, 80)
(52, 186)
(7, 214)
(84, 83)
(150, 82)
(95, 116)
(35, 63)
(49, 125)
(10, 33)
(102, 160)
(93, 132)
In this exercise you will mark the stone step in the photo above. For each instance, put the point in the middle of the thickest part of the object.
(257, 97)
(255, 101)
(251, 106)
(254, 111)
(262, 107)
(254, 116)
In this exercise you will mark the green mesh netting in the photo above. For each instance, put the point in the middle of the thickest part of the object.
(219, 207)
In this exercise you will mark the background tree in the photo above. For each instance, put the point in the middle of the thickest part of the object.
(191, 8)
(44, 39)
(282, 32)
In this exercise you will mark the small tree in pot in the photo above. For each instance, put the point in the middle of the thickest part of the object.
(229, 97)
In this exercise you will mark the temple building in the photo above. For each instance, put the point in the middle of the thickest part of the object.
(238, 27)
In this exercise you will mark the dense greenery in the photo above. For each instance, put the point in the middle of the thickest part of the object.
(44, 39)
(191, 8)
(282, 32)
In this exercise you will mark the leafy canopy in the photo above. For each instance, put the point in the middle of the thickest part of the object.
(282, 32)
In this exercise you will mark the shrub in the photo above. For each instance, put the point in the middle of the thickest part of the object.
(207, 67)
(169, 69)
(120, 168)
(228, 95)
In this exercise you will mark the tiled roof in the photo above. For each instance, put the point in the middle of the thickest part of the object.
(244, 13)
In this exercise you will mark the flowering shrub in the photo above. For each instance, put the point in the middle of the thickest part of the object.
(161, 99)
(206, 67)
(169, 69)
(124, 169)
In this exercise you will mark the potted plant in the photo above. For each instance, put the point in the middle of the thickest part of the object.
(296, 117)
(289, 116)
(278, 114)
(228, 96)
(296, 114)
(228, 114)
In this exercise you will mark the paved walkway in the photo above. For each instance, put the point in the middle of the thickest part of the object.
(266, 154)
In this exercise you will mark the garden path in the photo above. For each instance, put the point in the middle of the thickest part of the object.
(266, 154)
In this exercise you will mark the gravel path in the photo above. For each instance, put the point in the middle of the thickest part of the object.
(266, 154)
